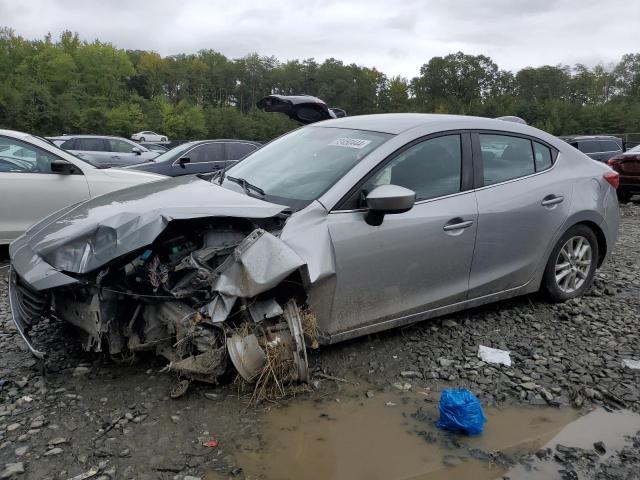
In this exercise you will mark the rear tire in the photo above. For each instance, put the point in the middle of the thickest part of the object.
(163, 139)
(624, 195)
(572, 264)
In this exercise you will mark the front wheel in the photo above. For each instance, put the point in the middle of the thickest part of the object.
(572, 264)
(142, 139)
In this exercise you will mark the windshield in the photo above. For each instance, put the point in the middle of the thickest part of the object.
(174, 154)
(297, 168)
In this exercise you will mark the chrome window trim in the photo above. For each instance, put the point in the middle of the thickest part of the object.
(420, 202)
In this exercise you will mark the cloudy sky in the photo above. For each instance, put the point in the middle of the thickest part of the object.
(395, 36)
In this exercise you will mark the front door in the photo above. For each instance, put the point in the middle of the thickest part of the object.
(413, 261)
(30, 191)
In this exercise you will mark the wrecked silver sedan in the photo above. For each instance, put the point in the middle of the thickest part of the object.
(333, 231)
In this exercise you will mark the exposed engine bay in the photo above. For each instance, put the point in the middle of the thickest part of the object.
(206, 291)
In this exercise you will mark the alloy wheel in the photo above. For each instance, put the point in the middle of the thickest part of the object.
(573, 264)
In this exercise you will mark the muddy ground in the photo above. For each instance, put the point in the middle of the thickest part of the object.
(113, 418)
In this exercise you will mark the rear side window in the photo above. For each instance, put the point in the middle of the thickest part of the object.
(68, 145)
(431, 169)
(235, 151)
(90, 144)
(505, 157)
(542, 155)
(589, 146)
(609, 146)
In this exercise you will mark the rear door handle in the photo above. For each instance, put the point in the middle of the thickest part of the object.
(552, 200)
(457, 224)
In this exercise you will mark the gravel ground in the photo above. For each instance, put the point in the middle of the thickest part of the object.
(114, 415)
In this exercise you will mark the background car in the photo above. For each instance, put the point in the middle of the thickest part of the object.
(154, 147)
(627, 164)
(201, 156)
(149, 136)
(598, 147)
(37, 178)
(105, 151)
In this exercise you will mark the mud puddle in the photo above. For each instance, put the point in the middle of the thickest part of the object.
(389, 436)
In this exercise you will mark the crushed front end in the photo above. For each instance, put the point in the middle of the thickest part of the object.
(204, 292)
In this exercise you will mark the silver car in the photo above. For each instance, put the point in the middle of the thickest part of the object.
(333, 231)
(105, 151)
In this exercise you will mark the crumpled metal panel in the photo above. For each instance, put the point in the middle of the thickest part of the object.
(105, 227)
(306, 232)
(258, 264)
(219, 308)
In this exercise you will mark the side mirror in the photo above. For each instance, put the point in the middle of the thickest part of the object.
(388, 199)
(136, 150)
(182, 161)
(63, 167)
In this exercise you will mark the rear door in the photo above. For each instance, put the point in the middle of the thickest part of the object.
(95, 148)
(30, 191)
(522, 203)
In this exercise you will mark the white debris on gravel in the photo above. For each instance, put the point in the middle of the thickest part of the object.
(632, 364)
(494, 355)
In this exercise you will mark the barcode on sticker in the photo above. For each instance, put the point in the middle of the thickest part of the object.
(350, 142)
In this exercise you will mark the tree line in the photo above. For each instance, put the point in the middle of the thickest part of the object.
(65, 85)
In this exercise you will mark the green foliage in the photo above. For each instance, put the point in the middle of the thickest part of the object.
(72, 86)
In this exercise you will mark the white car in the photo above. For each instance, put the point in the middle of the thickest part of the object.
(37, 178)
(149, 136)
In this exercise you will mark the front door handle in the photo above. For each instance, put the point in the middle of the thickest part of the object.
(552, 200)
(457, 224)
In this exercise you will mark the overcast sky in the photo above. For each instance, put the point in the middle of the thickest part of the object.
(395, 36)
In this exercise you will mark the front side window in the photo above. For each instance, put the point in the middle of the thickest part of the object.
(431, 169)
(119, 146)
(211, 152)
(20, 157)
(505, 157)
(89, 144)
(298, 167)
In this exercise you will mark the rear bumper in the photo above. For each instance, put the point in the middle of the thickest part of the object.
(25, 306)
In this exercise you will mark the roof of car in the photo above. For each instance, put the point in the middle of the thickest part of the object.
(68, 137)
(396, 123)
(590, 137)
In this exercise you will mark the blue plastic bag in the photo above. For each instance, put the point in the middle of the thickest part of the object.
(460, 412)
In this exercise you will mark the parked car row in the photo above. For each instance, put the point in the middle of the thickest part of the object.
(610, 149)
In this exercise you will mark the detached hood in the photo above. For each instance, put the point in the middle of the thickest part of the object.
(94, 232)
(302, 108)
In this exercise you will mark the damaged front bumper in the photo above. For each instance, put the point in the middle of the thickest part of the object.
(195, 305)
(22, 310)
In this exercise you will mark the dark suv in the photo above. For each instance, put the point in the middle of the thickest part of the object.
(598, 147)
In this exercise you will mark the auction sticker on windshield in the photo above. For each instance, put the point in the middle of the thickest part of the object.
(350, 142)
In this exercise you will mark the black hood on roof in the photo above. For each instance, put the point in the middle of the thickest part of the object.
(301, 108)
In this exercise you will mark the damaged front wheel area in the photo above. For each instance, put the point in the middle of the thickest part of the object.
(206, 300)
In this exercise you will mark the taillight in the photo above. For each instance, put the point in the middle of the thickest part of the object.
(613, 161)
(613, 178)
